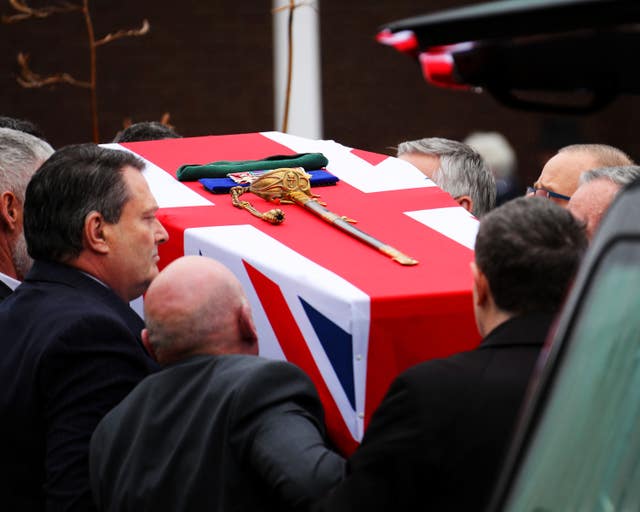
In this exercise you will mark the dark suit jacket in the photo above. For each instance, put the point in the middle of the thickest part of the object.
(215, 433)
(70, 352)
(438, 437)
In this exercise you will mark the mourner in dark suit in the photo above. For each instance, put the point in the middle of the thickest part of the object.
(71, 346)
(437, 439)
(20, 155)
(218, 428)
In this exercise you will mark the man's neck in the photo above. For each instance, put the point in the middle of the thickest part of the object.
(6, 261)
(95, 268)
(492, 319)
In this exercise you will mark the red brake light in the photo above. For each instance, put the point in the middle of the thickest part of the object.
(404, 41)
(439, 66)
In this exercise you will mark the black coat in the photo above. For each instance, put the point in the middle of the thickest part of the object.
(215, 433)
(70, 352)
(438, 437)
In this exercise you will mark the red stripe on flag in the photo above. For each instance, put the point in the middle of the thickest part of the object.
(296, 351)
(407, 331)
(369, 157)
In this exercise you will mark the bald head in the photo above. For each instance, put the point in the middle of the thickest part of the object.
(589, 203)
(561, 174)
(596, 192)
(197, 306)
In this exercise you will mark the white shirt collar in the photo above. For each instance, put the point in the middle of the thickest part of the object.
(94, 278)
(9, 281)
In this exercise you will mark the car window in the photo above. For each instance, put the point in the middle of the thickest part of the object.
(583, 454)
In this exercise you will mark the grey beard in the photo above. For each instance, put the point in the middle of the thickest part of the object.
(21, 259)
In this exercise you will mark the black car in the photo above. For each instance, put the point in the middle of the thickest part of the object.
(513, 48)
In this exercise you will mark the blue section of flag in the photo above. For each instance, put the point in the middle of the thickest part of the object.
(338, 346)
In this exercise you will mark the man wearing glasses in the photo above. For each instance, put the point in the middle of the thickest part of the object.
(559, 177)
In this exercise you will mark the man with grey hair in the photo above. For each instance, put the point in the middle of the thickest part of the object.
(20, 156)
(596, 191)
(456, 168)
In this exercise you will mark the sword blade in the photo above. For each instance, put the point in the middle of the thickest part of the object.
(338, 221)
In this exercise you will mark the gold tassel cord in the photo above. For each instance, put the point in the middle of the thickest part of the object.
(275, 216)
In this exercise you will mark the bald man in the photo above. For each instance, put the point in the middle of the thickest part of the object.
(597, 190)
(560, 175)
(219, 428)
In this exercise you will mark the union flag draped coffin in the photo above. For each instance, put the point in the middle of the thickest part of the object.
(347, 314)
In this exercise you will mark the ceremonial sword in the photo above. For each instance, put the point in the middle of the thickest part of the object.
(292, 185)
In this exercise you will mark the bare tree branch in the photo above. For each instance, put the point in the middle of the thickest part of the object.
(144, 29)
(27, 12)
(31, 80)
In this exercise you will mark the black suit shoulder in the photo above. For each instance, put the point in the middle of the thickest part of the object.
(439, 434)
(271, 375)
(73, 356)
(221, 425)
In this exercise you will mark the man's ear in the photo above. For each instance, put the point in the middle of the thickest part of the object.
(147, 343)
(247, 328)
(94, 233)
(9, 210)
(466, 202)
(480, 286)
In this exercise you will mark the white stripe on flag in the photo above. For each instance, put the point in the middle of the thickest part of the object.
(168, 192)
(390, 174)
(453, 222)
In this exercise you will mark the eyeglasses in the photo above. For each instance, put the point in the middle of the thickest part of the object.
(543, 192)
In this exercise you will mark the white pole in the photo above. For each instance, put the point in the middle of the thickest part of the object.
(305, 107)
